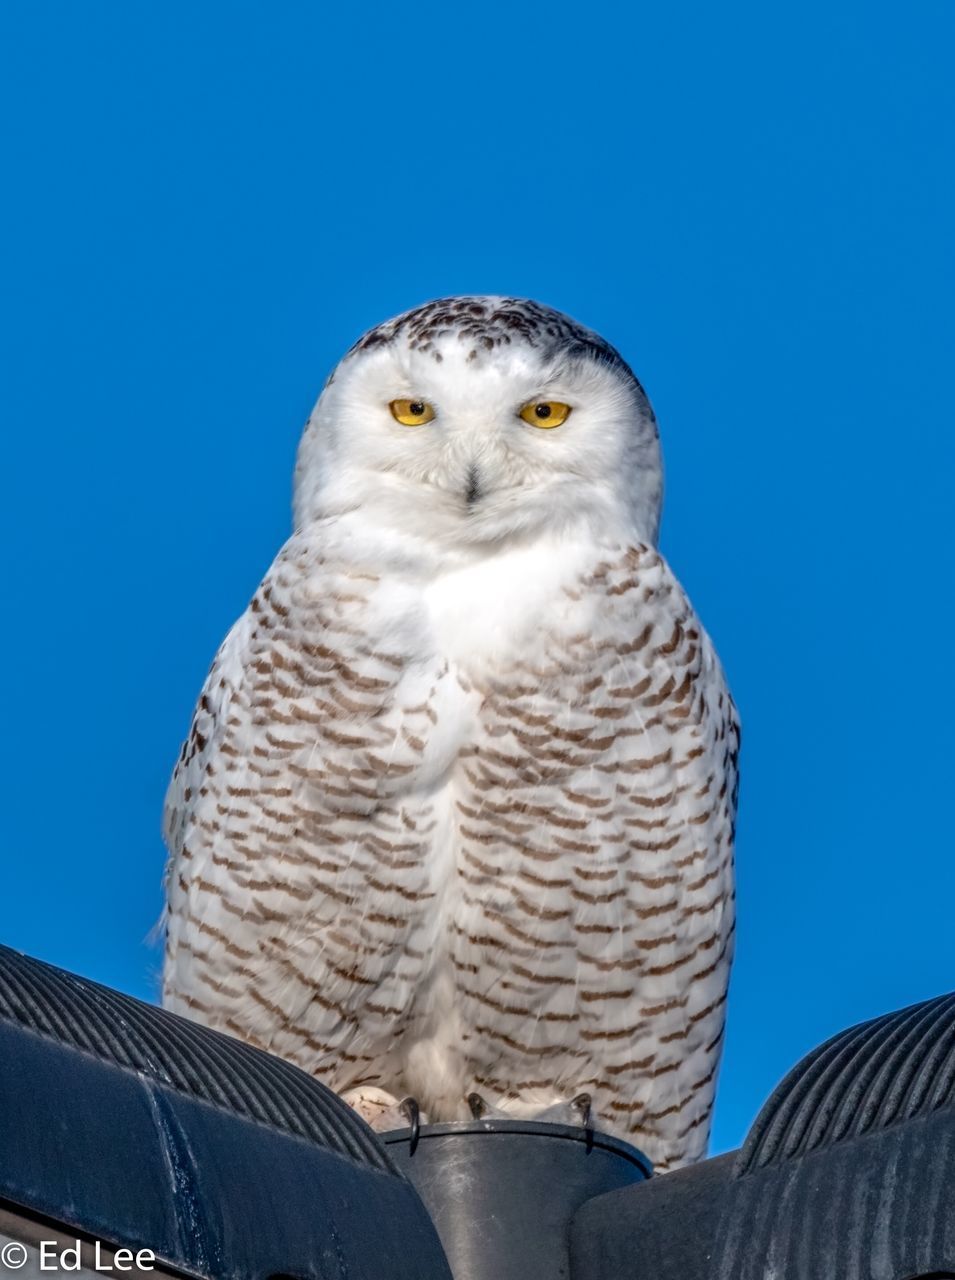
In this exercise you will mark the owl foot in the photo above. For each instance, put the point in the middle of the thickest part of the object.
(382, 1110)
(481, 1109)
(577, 1112)
(371, 1103)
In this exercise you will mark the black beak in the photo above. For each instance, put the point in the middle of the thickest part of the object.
(473, 491)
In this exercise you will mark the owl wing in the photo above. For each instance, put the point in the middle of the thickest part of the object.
(205, 736)
(598, 848)
(676, 781)
(298, 819)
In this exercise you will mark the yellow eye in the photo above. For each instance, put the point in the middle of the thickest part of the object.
(411, 413)
(545, 413)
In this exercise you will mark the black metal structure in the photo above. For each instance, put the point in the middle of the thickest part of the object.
(133, 1126)
(125, 1124)
(502, 1193)
(847, 1174)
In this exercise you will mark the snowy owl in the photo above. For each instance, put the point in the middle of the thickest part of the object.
(454, 820)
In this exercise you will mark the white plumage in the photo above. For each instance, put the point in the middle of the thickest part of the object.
(456, 810)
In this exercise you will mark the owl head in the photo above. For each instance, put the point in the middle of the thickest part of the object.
(477, 420)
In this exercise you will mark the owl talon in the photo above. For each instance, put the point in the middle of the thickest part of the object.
(478, 1107)
(412, 1113)
(582, 1106)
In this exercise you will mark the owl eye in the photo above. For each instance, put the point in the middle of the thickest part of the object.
(411, 413)
(545, 413)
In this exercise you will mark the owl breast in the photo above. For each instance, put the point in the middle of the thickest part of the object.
(465, 829)
(587, 906)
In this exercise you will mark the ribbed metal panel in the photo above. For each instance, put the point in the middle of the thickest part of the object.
(847, 1174)
(197, 1062)
(863, 1080)
(880, 1206)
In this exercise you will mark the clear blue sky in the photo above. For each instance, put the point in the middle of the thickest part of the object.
(206, 203)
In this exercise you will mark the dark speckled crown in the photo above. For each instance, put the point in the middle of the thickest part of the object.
(484, 324)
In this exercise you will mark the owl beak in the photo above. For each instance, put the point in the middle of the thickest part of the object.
(472, 490)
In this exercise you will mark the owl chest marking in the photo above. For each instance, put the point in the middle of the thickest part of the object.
(488, 620)
(480, 619)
